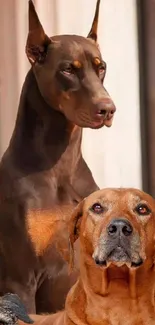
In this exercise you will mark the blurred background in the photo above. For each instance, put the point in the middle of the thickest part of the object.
(122, 155)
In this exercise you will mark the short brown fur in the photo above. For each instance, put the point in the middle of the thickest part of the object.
(118, 292)
(42, 173)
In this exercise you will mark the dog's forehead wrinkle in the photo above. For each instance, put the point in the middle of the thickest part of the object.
(73, 52)
(77, 46)
(133, 200)
(106, 196)
(77, 52)
(120, 201)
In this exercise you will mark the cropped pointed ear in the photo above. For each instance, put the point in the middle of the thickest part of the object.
(93, 32)
(74, 229)
(37, 41)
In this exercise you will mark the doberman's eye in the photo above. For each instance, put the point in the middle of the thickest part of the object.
(143, 210)
(67, 70)
(97, 208)
(101, 69)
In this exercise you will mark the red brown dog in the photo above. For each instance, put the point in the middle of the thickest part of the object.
(43, 174)
(116, 285)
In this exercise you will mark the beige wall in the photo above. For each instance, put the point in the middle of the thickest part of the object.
(113, 154)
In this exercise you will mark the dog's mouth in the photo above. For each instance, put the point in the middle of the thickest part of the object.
(108, 121)
(119, 257)
(103, 120)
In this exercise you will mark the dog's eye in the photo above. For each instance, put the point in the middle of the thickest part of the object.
(67, 70)
(143, 210)
(97, 208)
(102, 69)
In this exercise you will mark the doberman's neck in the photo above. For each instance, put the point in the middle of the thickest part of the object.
(114, 297)
(41, 133)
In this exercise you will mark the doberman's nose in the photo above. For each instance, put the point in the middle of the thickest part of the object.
(105, 108)
(119, 227)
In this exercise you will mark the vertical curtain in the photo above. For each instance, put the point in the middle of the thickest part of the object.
(13, 62)
(146, 11)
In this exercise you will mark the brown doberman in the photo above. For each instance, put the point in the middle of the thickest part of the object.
(42, 173)
(116, 284)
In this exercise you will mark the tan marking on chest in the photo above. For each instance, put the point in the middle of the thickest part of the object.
(47, 227)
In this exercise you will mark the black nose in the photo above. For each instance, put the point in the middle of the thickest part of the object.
(119, 227)
(105, 108)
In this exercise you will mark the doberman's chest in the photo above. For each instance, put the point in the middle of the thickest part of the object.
(49, 205)
(48, 200)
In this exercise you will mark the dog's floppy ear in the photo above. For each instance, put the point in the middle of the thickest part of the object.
(37, 40)
(74, 229)
(93, 32)
(75, 221)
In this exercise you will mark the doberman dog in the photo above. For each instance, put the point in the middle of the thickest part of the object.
(117, 277)
(42, 173)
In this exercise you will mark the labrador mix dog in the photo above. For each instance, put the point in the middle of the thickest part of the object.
(116, 284)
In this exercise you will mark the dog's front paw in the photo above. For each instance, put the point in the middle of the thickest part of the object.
(12, 309)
